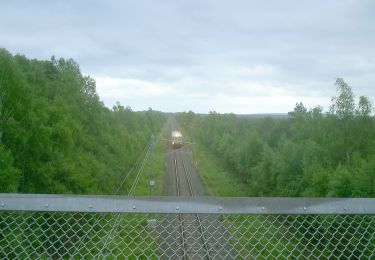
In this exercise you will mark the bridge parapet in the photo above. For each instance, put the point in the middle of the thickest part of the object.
(67, 226)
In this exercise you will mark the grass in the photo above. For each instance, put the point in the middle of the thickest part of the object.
(143, 187)
(215, 179)
(258, 235)
(133, 239)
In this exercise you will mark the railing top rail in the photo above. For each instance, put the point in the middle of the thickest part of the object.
(210, 205)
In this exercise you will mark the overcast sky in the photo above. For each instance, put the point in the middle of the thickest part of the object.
(227, 56)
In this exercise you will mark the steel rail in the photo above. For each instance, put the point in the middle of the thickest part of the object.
(183, 239)
(196, 214)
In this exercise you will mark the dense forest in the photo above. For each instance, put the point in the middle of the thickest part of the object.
(309, 153)
(56, 136)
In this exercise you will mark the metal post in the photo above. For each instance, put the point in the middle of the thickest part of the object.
(152, 181)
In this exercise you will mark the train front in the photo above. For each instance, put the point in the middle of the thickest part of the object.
(177, 139)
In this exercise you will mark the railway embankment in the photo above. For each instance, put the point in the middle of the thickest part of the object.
(215, 178)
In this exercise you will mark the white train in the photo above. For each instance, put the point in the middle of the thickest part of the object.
(177, 139)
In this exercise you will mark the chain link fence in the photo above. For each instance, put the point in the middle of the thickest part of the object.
(76, 227)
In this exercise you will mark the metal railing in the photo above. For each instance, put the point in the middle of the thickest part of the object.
(61, 226)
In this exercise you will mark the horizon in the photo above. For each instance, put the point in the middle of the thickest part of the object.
(110, 106)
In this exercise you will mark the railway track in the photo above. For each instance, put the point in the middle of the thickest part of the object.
(192, 237)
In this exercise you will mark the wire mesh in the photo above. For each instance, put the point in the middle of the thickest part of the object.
(77, 235)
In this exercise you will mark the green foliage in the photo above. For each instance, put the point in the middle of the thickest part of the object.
(343, 105)
(308, 154)
(364, 107)
(364, 181)
(58, 135)
(9, 177)
(340, 182)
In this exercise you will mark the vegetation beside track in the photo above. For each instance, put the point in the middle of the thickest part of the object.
(143, 187)
(56, 136)
(216, 180)
(309, 153)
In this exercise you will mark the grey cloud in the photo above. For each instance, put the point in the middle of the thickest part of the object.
(210, 47)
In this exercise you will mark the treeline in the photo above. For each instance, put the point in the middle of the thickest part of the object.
(310, 153)
(56, 136)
